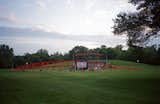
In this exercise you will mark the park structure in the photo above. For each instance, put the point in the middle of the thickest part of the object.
(89, 61)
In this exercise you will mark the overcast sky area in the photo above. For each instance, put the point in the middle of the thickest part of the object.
(59, 25)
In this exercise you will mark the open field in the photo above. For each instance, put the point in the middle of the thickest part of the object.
(68, 87)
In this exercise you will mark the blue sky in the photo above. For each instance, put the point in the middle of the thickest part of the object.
(59, 25)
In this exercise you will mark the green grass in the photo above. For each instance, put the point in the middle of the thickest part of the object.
(133, 64)
(64, 87)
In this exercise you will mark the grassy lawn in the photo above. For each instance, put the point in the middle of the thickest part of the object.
(64, 87)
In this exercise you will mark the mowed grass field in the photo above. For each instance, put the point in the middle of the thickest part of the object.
(96, 87)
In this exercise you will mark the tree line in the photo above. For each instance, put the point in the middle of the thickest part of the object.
(148, 55)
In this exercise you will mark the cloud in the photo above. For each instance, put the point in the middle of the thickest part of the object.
(29, 40)
(28, 32)
(89, 4)
(45, 27)
(11, 18)
(22, 45)
(69, 3)
(42, 4)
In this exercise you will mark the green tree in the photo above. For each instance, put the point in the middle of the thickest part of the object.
(57, 56)
(150, 9)
(134, 54)
(78, 49)
(19, 60)
(42, 54)
(150, 56)
(6, 56)
(139, 26)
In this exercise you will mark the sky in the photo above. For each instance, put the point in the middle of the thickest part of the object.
(59, 25)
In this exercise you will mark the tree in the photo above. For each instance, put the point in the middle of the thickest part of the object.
(139, 26)
(57, 56)
(78, 49)
(42, 54)
(131, 24)
(150, 55)
(6, 56)
(28, 58)
(19, 60)
(151, 10)
(119, 47)
(134, 54)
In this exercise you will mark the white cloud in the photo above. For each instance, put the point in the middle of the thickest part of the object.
(70, 3)
(42, 4)
(89, 4)
(45, 27)
(25, 40)
(11, 18)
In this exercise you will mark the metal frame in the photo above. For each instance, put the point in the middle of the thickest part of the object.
(86, 57)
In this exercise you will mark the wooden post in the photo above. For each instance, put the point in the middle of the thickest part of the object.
(75, 61)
